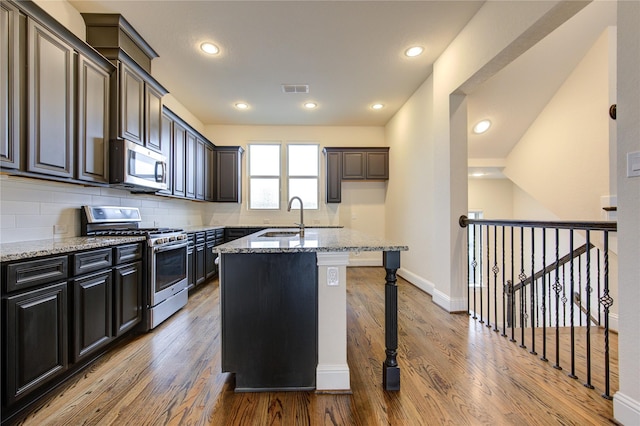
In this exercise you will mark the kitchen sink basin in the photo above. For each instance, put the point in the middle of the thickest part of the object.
(276, 234)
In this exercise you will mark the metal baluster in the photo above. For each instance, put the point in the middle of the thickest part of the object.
(469, 233)
(544, 299)
(495, 279)
(571, 305)
(599, 289)
(522, 289)
(504, 304)
(475, 264)
(533, 293)
(481, 278)
(557, 287)
(513, 300)
(607, 302)
(488, 283)
(588, 319)
(579, 290)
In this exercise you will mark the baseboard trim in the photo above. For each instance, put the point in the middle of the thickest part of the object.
(333, 378)
(625, 409)
(424, 285)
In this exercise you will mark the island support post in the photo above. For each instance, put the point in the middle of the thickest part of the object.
(390, 368)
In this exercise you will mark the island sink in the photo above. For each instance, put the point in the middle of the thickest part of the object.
(278, 234)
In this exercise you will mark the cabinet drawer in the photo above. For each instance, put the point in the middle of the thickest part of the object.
(200, 237)
(35, 272)
(128, 253)
(92, 261)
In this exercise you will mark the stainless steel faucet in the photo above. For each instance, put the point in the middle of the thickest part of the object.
(301, 224)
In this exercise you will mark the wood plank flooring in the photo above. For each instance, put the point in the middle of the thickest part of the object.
(454, 371)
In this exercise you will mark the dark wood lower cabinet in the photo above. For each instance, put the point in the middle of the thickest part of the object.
(128, 297)
(92, 307)
(269, 314)
(36, 325)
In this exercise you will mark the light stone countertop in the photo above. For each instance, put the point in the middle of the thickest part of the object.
(315, 240)
(31, 249)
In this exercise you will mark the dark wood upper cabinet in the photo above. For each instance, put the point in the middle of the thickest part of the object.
(166, 142)
(153, 118)
(208, 172)
(179, 159)
(352, 164)
(51, 100)
(93, 120)
(200, 169)
(228, 174)
(333, 173)
(131, 105)
(11, 81)
(191, 166)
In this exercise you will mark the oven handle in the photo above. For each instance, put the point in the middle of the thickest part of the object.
(170, 246)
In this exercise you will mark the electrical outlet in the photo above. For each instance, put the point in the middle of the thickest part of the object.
(266, 221)
(60, 229)
(333, 278)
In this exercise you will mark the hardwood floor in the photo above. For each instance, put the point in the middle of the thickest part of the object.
(454, 371)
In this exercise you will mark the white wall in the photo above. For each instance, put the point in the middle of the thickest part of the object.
(567, 146)
(494, 197)
(432, 126)
(626, 403)
(363, 203)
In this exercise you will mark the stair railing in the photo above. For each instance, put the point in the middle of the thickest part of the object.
(517, 276)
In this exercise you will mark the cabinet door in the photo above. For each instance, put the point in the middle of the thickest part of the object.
(179, 157)
(334, 177)
(51, 103)
(153, 118)
(208, 173)
(191, 276)
(131, 111)
(166, 142)
(353, 165)
(227, 185)
(92, 313)
(10, 79)
(378, 165)
(128, 297)
(36, 325)
(191, 166)
(200, 169)
(93, 121)
(200, 269)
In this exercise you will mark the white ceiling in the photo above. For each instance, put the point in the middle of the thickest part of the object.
(351, 55)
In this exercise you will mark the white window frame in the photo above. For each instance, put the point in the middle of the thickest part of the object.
(316, 176)
(279, 177)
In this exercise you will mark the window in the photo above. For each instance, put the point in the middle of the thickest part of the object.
(302, 173)
(264, 176)
(266, 169)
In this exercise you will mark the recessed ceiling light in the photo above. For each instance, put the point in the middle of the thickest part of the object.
(377, 106)
(242, 105)
(481, 127)
(310, 105)
(209, 48)
(477, 174)
(414, 51)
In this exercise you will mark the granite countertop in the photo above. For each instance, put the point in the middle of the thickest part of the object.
(201, 228)
(315, 240)
(29, 249)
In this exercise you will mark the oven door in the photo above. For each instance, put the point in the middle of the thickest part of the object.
(168, 271)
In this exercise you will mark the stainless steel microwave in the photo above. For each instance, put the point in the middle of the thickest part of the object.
(136, 168)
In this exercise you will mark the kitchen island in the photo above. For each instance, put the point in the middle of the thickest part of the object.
(283, 308)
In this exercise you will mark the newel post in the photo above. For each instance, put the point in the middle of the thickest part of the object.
(390, 368)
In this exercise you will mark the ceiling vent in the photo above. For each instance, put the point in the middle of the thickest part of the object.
(295, 88)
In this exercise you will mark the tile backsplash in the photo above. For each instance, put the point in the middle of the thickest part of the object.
(33, 209)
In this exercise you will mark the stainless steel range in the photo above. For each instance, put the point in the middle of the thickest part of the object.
(166, 274)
